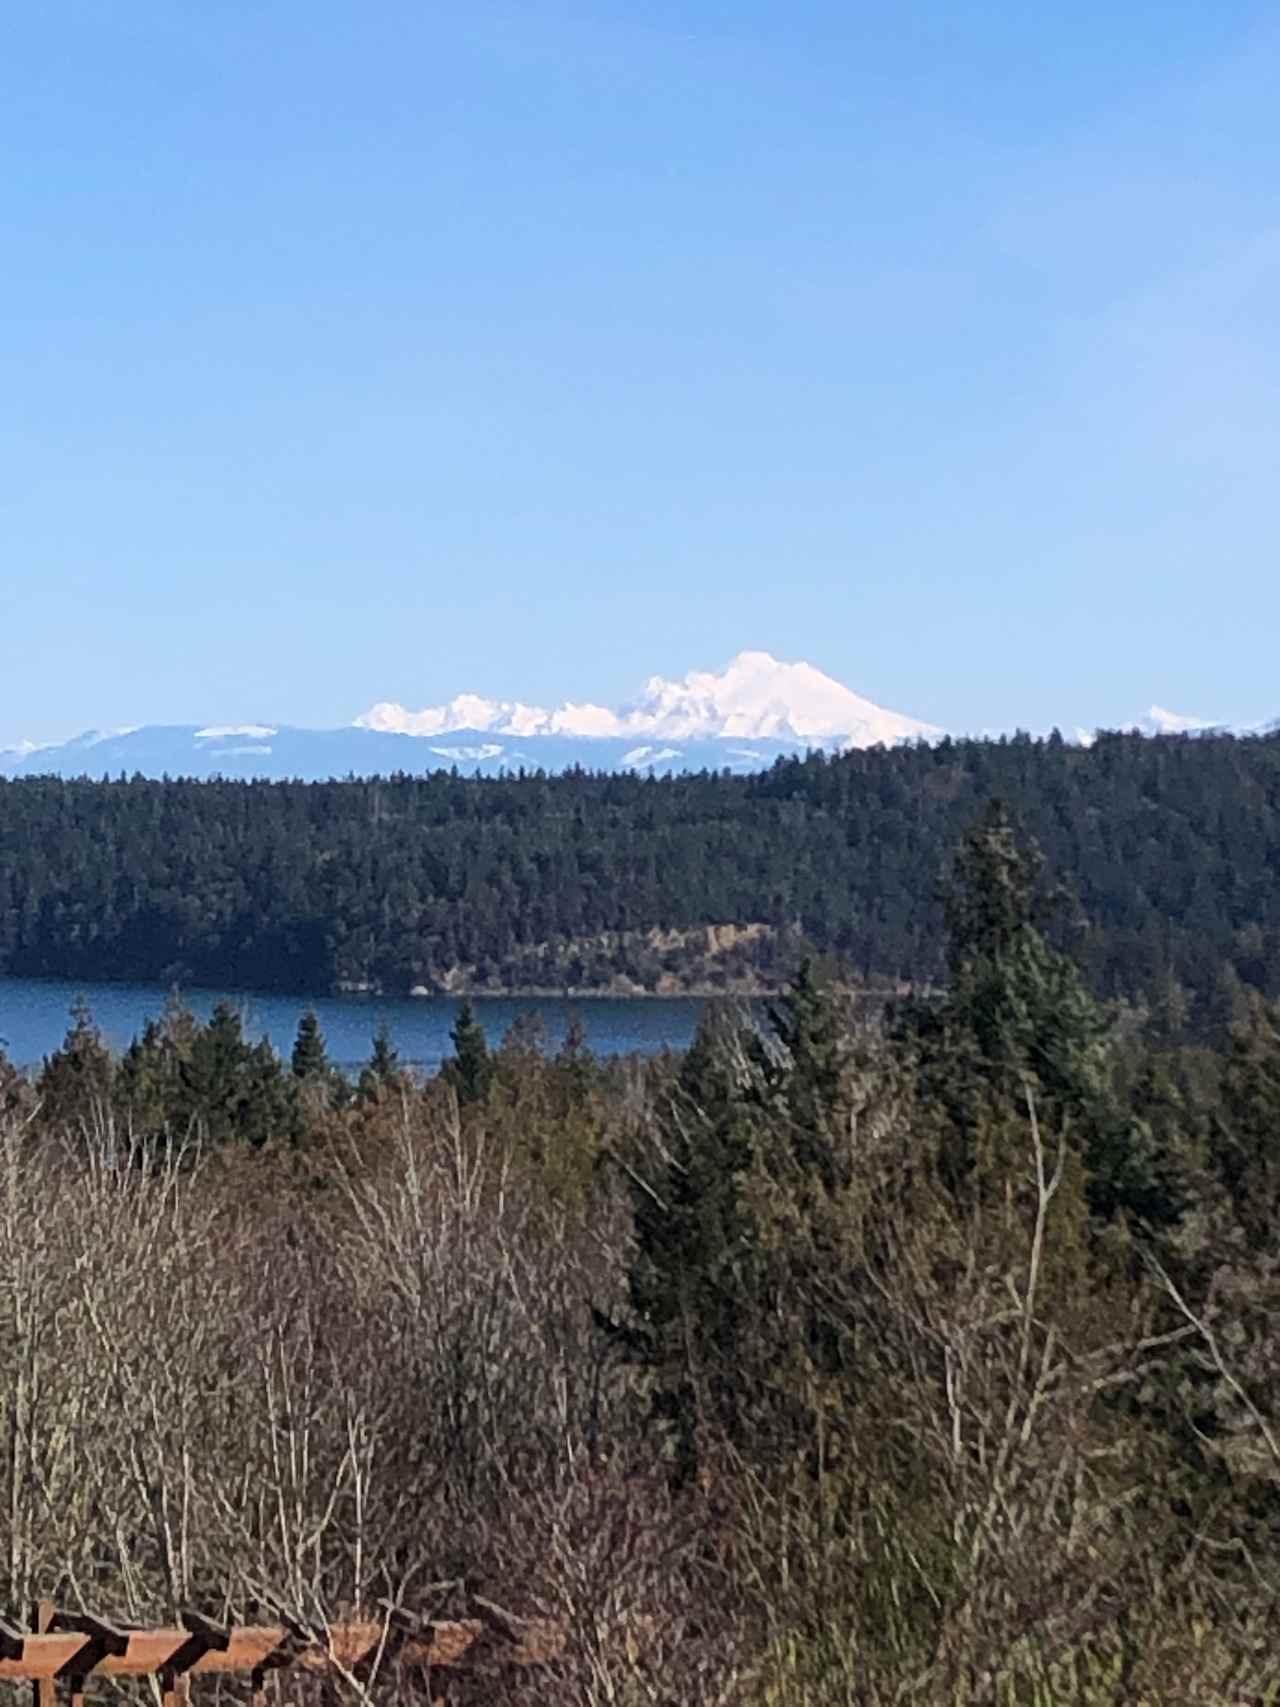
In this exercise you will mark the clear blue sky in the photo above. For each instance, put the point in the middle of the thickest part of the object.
(387, 350)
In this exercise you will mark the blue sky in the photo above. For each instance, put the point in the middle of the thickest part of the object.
(385, 351)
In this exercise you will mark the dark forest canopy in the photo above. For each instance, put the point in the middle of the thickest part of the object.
(1167, 851)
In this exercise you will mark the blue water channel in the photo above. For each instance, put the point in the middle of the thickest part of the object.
(34, 1016)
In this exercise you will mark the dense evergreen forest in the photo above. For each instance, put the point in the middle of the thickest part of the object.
(1167, 851)
(859, 1356)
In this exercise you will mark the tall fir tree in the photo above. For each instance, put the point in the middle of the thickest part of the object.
(1016, 1022)
(470, 1070)
(310, 1058)
(1245, 1136)
(805, 1069)
(692, 1277)
(232, 1089)
(77, 1081)
(381, 1072)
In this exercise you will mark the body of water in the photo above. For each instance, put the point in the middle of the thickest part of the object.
(35, 1014)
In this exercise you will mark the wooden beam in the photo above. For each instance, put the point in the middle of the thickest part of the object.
(102, 1634)
(214, 1636)
(103, 1650)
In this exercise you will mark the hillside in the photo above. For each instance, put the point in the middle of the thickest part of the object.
(1168, 850)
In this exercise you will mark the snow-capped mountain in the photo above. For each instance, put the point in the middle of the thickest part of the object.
(1159, 721)
(23, 750)
(756, 698)
(756, 711)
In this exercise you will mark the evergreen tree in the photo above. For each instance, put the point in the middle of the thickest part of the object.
(269, 1108)
(76, 1082)
(577, 1071)
(310, 1059)
(805, 1072)
(693, 1274)
(1245, 1139)
(212, 1076)
(149, 1084)
(470, 1071)
(381, 1072)
(754, 1131)
(15, 1091)
(1017, 1021)
(142, 1092)
(232, 1089)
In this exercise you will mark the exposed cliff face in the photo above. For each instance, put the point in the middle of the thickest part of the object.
(748, 960)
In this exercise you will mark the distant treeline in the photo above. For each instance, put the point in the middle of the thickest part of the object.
(1168, 851)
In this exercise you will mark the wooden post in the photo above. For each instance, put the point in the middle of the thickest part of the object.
(175, 1690)
(43, 1691)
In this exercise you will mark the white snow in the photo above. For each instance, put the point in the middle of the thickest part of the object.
(1161, 722)
(467, 711)
(759, 698)
(588, 720)
(490, 716)
(226, 731)
(95, 737)
(524, 720)
(755, 698)
(461, 755)
(646, 757)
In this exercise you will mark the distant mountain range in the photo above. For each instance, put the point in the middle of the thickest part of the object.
(742, 720)
(755, 699)
(757, 710)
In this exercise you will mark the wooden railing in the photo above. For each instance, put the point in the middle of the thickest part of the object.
(68, 1648)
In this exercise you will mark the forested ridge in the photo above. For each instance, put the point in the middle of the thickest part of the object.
(1168, 852)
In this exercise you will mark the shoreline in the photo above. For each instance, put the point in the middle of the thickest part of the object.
(628, 992)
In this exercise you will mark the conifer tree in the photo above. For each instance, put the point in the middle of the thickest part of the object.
(470, 1071)
(1245, 1142)
(381, 1072)
(76, 1082)
(1017, 1021)
(213, 1073)
(806, 1069)
(140, 1082)
(15, 1089)
(149, 1082)
(269, 1108)
(577, 1071)
(752, 1129)
(234, 1089)
(310, 1059)
(692, 1275)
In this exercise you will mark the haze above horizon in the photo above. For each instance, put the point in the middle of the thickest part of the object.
(361, 354)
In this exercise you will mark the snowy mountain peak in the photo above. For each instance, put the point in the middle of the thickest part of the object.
(758, 697)
(1158, 721)
(755, 711)
(755, 698)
